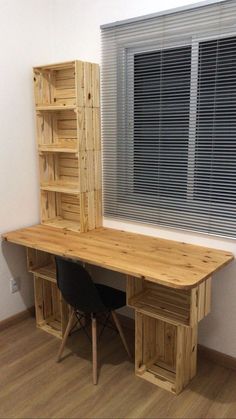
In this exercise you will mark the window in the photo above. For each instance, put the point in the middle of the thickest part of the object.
(170, 155)
(161, 122)
(215, 157)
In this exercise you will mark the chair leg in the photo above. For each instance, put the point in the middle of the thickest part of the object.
(121, 333)
(94, 349)
(67, 331)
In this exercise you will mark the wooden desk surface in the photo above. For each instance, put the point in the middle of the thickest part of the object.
(170, 263)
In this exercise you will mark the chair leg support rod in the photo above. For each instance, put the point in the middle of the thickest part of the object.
(120, 330)
(94, 350)
(67, 331)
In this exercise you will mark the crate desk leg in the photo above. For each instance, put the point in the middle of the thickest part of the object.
(50, 308)
(186, 356)
(38, 299)
(165, 354)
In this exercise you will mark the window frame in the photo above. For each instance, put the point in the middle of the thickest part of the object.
(126, 55)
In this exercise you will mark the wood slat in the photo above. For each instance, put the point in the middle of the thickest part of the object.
(61, 223)
(62, 187)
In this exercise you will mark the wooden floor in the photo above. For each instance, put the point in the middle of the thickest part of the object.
(32, 385)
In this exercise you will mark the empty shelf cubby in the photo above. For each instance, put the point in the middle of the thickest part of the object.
(55, 85)
(59, 172)
(60, 210)
(177, 306)
(160, 352)
(50, 308)
(57, 131)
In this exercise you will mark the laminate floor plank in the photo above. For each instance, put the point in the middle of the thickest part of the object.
(33, 385)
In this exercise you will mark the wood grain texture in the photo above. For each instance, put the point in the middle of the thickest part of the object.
(33, 385)
(67, 99)
(173, 264)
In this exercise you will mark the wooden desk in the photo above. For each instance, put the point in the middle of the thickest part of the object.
(168, 285)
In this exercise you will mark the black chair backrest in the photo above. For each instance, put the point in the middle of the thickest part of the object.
(77, 287)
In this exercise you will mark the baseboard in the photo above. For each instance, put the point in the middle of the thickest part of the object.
(17, 318)
(219, 358)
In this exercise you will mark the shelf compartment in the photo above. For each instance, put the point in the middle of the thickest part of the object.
(46, 272)
(51, 310)
(58, 130)
(165, 354)
(59, 172)
(37, 259)
(177, 306)
(159, 301)
(55, 85)
(64, 224)
(161, 306)
(60, 210)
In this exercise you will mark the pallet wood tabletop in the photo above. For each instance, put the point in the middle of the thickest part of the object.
(170, 263)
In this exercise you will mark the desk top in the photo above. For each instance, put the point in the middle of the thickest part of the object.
(170, 263)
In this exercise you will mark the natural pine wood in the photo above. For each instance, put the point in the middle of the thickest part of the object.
(67, 331)
(176, 306)
(67, 102)
(169, 287)
(121, 333)
(94, 349)
(166, 262)
(33, 385)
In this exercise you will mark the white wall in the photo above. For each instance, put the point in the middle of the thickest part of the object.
(25, 33)
(75, 33)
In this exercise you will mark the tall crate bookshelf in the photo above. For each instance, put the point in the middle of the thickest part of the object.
(67, 101)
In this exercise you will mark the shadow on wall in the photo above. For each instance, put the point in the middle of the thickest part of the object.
(215, 330)
(13, 265)
(112, 279)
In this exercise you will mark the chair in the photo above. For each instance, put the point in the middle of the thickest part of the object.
(85, 296)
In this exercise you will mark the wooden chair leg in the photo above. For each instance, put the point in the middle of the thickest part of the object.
(121, 333)
(67, 331)
(94, 349)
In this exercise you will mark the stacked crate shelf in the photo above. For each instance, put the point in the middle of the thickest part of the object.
(166, 330)
(67, 104)
(68, 133)
(50, 308)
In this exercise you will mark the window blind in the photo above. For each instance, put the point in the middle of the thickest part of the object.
(168, 119)
(161, 122)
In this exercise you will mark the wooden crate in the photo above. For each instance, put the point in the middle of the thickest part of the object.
(50, 307)
(59, 172)
(165, 354)
(66, 85)
(176, 306)
(68, 135)
(60, 210)
(57, 131)
(55, 85)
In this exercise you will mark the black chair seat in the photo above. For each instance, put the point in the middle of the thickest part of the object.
(111, 297)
